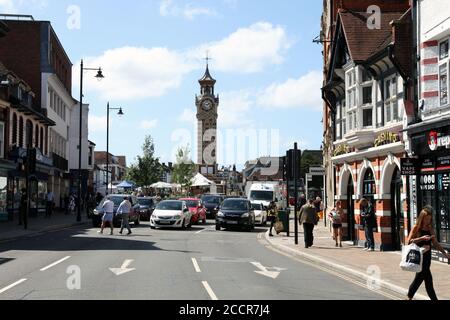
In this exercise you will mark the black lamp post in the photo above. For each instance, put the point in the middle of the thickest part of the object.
(99, 77)
(120, 114)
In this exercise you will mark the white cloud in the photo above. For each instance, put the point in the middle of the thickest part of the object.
(148, 124)
(189, 11)
(7, 6)
(248, 50)
(97, 124)
(303, 92)
(188, 115)
(136, 73)
(14, 6)
(233, 109)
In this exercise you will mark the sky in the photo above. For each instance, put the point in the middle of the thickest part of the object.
(152, 53)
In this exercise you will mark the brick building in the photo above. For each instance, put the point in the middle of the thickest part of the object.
(369, 101)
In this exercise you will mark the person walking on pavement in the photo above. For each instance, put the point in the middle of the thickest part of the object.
(108, 216)
(23, 210)
(336, 216)
(309, 219)
(50, 199)
(272, 214)
(369, 221)
(424, 236)
(124, 210)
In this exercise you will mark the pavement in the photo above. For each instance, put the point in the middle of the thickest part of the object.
(10, 231)
(196, 264)
(379, 269)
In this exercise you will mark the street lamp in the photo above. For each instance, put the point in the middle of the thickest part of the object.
(99, 77)
(120, 114)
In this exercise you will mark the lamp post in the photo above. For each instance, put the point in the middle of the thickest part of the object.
(120, 114)
(99, 77)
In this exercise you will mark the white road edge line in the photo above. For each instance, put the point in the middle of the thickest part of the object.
(12, 285)
(196, 266)
(55, 263)
(209, 290)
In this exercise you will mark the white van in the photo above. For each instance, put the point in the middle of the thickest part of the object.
(264, 193)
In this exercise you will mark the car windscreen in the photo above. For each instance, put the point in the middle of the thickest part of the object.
(116, 200)
(192, 203)
(211, 200)
(145, 202)
(234, 205)
(169, 205)
(261, 196)
(257, 206)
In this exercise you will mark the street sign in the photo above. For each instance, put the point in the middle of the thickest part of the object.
(410, 166)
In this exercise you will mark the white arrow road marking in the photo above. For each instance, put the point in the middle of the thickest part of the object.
(268, 272)
(54, 264)
(12, 285)
(124, 269)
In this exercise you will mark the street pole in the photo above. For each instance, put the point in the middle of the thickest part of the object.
(296, 169)
(80, 142)
(107, 150)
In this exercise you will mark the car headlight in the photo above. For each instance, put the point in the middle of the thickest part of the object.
(245, 215)
(220, 214)
(177, 217)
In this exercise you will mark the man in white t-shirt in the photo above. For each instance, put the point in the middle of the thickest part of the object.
(108, 216)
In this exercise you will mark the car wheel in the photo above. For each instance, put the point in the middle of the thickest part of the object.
(218, 228)
(153, 228)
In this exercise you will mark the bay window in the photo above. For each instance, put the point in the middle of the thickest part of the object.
(341, 123)
(367, 99)
(443, 72)
(391, 108)
(352, 103)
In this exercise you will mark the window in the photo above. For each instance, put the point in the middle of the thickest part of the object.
(36, 138)
(29, 134)
(351, 88)
(443, 50)
(443, 84)
(391, 107)
(367, 99)
(41, 142)
(367, 117)
(21, 132)
(367, 95)
(2, 140)
(369, 185)
(14, 129)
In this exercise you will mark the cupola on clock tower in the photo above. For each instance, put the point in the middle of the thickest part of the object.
(207, 114)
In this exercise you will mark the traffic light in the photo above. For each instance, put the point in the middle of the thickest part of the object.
(293, 163)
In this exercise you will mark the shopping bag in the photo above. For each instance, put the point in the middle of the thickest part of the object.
(412, 259)
(279, 227)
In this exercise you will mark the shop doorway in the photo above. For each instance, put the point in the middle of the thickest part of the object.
(397, 224)
(351, 236)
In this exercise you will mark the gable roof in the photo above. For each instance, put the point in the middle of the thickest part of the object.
(363, 42)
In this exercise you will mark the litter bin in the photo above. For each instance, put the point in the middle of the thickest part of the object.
(283, 216)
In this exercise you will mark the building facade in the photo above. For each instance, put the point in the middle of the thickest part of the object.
(430, 135)
(370, 101)
(22, 128)
(44, 64)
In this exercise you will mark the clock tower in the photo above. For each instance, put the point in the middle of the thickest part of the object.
(207, 114)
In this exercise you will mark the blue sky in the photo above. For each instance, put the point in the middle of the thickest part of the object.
(268, 70)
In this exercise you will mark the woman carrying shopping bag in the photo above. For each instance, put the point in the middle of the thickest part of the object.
(272, 216)
(424, 237)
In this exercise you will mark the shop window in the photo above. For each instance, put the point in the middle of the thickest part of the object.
(369, 185)
(443, 213)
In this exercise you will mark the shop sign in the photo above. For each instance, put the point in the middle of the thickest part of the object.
(410, 167)
(428, 182)
(435, 141)
(428, 164)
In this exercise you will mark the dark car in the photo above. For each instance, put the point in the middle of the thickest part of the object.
(236, 213)
(211, 203)
(117, 199)
(146, 207)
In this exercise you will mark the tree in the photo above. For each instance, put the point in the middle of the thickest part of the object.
(147, 170)
(184, 168)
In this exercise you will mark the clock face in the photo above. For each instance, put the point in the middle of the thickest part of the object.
(207, 105)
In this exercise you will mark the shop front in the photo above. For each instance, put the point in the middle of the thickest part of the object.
(433, 183)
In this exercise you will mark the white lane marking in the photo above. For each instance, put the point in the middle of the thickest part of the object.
(55, 263)
(124, 269)
(200, 231)
(196, 266)
(12, 285)
(264, 271)
(209, 290)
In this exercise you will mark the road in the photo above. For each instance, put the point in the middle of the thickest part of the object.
(196, 264)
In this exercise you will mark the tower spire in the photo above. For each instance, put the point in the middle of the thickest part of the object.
(207, 78)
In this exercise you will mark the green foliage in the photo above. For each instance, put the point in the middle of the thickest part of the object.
(184, 168)
(147, 170)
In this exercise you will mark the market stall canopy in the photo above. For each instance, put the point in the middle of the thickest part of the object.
(161, 185)
(201, 181)
(126, 185)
